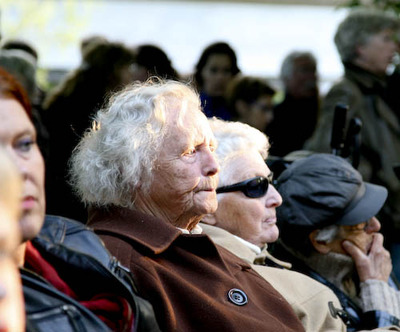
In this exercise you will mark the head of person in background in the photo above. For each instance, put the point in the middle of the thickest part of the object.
(16, 44)
(22, 65)
(247, 200)
(299, 75)
(89, 40)
(105, 67)
(151, 60)
(366, 38)
(108, 61)
(250, 101)
(215, 68)
(329, 231)
(12, 314)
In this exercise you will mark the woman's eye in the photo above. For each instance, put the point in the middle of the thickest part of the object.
(191, 152)
(25, 145)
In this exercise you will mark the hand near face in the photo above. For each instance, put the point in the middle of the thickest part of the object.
(376, 264)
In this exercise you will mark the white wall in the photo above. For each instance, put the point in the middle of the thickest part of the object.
(261, 34)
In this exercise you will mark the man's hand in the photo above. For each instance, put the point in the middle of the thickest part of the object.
(376, 264)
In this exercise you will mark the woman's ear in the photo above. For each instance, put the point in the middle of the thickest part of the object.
(320, 246)
(209, 219)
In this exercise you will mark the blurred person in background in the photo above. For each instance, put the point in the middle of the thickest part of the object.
(214, 70)
(105, 67)
(366, 42)
(151, 60)
(250, 101)
(295, 117)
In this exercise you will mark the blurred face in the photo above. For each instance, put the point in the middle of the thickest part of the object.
(125, 75)
(18, 136)
(185, 176)
(257, 114)
(303, 83)
(138, 73)
(378, 52)
(252, 219)
(216, 74)
(361, 235)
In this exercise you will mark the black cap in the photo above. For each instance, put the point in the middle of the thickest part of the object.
(322, 190)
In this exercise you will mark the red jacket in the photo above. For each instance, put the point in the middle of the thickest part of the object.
(187, 277)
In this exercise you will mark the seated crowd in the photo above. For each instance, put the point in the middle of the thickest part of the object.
(134, 199)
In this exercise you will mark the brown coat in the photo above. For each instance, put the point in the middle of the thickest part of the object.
(187, 277)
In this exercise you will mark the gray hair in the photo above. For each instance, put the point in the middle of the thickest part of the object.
(357, 28)
(22, 66)
(117, 156)
(234, 138)
(328, 233)
(287, 66)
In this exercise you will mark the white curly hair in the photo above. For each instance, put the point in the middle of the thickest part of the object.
(117, 155)
(234, 138)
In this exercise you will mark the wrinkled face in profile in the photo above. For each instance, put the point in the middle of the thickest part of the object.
(18, 136)
(378, 52)
(252, 219)
(185, 176)
(361, 235)
(216, 75)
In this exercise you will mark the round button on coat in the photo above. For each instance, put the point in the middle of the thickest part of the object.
(237, 296)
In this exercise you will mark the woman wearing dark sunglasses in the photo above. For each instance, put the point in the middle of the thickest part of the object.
(245, 222)
(246, 200)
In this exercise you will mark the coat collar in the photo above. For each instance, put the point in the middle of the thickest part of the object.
(135, 226)
(239, 248)
(366, 80)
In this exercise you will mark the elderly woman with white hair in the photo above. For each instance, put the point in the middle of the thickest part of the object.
(245, 222)
(147, 169)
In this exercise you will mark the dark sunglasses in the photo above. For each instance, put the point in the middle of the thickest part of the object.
(252, 188)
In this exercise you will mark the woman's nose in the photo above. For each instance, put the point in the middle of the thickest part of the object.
(211, 165)
(274, 199)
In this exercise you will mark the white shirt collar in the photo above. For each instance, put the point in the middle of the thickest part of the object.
(251, 246)
(196, 230)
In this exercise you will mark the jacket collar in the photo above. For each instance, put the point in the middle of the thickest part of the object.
(239, 248)
(150, 232)
(365, 79)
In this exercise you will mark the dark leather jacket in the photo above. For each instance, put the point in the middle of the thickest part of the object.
(70, 246)
(352, 315)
